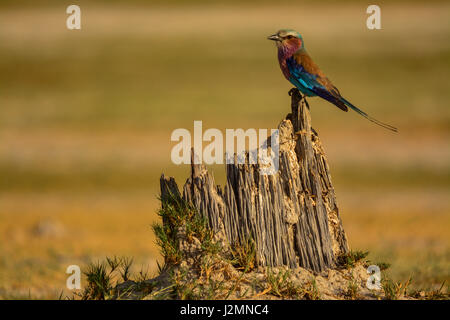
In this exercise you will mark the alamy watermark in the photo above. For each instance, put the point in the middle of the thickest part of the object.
(374, 20)
(73, 282)
(374, 280)
(259, 150)
(74, 20)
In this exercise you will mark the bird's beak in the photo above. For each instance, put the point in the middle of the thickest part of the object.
(274, 37)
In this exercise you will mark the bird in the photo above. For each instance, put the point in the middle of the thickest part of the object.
(299, 69)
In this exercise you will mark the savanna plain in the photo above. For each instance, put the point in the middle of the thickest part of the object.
(86, 118)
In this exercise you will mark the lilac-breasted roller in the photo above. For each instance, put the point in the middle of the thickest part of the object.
(305, 75)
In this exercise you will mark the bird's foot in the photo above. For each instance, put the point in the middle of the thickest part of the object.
(292, 91)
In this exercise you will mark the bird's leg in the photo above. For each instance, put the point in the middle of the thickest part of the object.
(300, 96)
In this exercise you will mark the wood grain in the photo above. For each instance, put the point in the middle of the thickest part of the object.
(292, 216)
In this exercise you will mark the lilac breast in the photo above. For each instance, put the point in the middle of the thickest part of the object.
(285, 52)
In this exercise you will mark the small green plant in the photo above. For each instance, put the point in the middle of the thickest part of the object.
(277, 281)
(233, 288)
(124, 268)
(195, 289)
(142, 275)
(394, 290)
(352, 290)
(206, 265)
(103, 276)
(349, 260)
(164, 293)
(213, 290)
(310, 290)
(244, 255)
(177, 215)
(99, 282)
(281, 285)
(383, 265)
(182, 289)
(438, 294)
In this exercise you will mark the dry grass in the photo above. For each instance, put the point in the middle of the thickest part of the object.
(55, 231)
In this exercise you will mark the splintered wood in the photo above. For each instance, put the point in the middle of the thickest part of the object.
(292, 215)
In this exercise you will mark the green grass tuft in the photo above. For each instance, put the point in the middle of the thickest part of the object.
(437, 294)
(281, 285)
(244, 255)
(349, 260)
(394, 290)
(180, 216)
(102, 277)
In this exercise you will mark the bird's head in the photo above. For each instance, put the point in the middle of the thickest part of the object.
(287, 38)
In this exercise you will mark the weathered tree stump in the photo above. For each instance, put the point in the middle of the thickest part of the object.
(292, 216)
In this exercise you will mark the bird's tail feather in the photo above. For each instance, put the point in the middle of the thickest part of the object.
(365, 115)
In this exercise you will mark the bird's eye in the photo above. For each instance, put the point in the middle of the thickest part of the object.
(289, 37)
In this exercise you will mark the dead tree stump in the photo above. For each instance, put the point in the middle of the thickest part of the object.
(292, 216)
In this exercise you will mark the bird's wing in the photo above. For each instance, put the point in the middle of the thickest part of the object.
(308, 75)
(304, 71)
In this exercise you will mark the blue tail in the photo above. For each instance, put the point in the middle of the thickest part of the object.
(365, 115)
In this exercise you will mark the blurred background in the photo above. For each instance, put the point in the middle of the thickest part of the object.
(86, 117)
